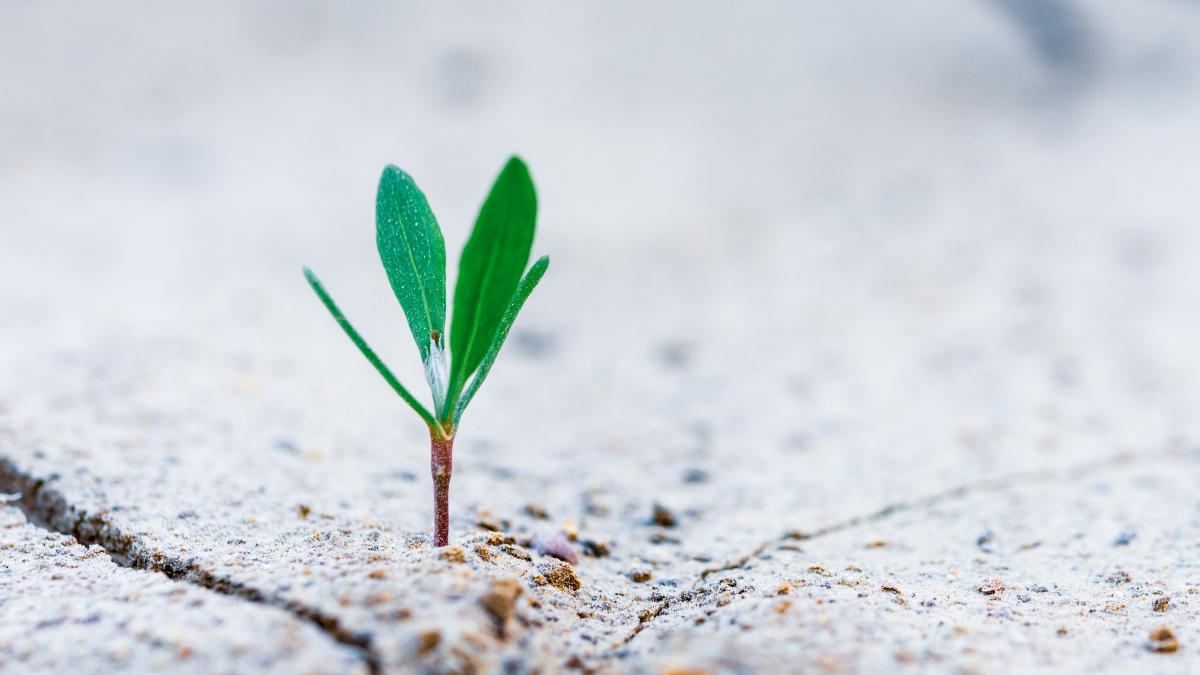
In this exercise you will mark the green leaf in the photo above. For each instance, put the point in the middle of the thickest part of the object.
(414, 255)
(490, 270)
(514, 307)
(369, 353)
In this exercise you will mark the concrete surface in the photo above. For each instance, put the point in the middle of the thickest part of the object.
(1063, 572)
(70, 608)
(823, 277)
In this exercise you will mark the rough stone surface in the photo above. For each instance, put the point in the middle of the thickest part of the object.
(864, 326)
(1033, 576)
(69, 608)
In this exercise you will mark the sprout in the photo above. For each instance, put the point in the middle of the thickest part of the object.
(492, 286)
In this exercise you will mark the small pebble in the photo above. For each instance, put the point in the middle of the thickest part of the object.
(1124, 538)
(501, 602)
(536, 511)
(993, 586)
(483, 552)
(594, 548)
(1163, 640)
(570, 530)
(984, 540)
(488, 521)
(663, 516)
(557, 546)
(516, 551)
(1119, 577)
(428, 641)
(498, 538)
(453, 554)
(560, 575)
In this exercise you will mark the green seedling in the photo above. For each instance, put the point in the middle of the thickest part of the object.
(491, 289)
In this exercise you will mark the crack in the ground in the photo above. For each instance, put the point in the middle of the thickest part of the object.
(47, 507)
(644, 619)
(930, 501)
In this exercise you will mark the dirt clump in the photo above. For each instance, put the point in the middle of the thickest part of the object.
(428, 641)
(560, 575)
(1163, 640)
(663, 516)
(453, 554)
(499, 539)
(500, 602)
(993, 586)
(640, 575)
(536, 511)
(595, 548)
(516, 551)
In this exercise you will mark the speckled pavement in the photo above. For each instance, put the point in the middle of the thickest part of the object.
(867, 343)
(1079, 571)
(70, 608)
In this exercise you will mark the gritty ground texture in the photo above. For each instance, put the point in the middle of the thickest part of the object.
(70, 608)
(868, 342)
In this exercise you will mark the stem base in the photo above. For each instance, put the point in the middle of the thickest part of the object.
(441, 463)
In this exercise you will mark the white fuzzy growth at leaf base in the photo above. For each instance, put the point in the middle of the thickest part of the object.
(437, 374)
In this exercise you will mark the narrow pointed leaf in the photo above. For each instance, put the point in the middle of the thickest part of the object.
(367, 351)
(510, 315)
(414, 256)
(491, 267)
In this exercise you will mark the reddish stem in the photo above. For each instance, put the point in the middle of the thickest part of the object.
(441, 462)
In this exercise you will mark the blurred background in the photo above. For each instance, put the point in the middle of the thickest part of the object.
(768, 212)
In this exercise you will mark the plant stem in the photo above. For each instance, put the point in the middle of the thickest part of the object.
(441, 462)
